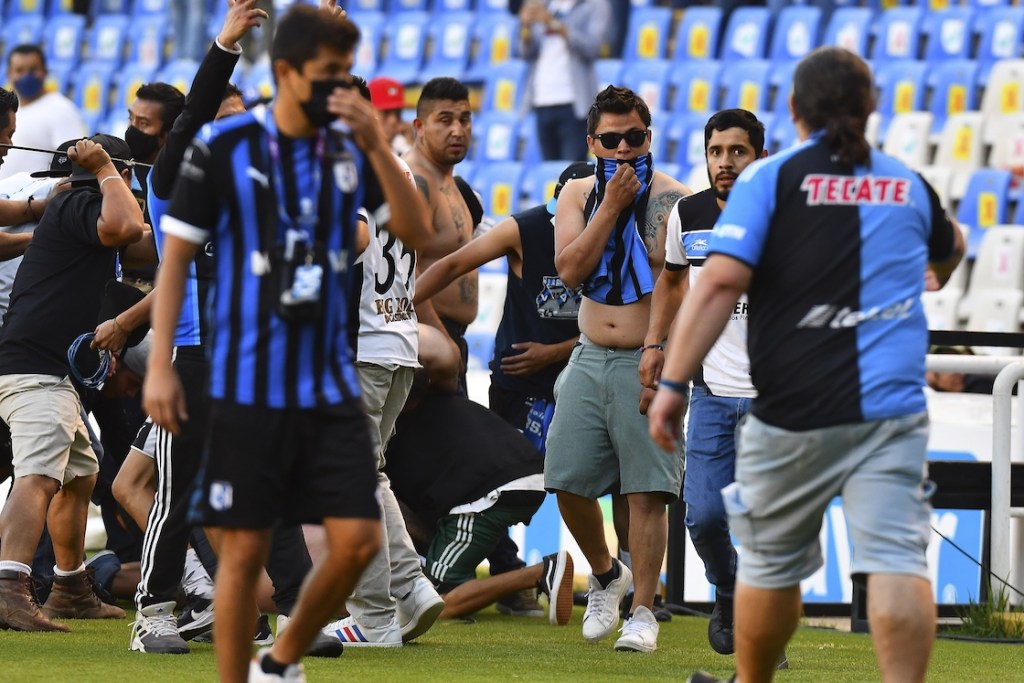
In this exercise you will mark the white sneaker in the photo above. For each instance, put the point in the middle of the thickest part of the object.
(419, 609)
(155, 630)
(639, 632)
(351, 634)
(294, 673)
(602, 613)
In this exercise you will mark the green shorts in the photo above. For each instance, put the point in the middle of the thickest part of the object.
(598, 441)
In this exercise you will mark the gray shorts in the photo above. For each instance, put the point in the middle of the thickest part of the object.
(785, 481)
(598, 441)
(48, 435)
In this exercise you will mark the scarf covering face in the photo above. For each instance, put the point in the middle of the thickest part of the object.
(623, 275)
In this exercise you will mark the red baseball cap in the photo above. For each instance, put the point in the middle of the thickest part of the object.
(386, 94)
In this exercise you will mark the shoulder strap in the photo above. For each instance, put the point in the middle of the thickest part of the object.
(476, 209)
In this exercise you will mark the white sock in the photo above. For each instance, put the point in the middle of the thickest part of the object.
(60, 572)
(195, 580)
(11, 565)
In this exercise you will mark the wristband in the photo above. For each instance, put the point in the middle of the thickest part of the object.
(109, 177)
(31, 212)
(660, 347)
(677, 387)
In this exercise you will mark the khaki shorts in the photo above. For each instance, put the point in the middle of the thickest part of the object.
(48, 434)
(598, 441)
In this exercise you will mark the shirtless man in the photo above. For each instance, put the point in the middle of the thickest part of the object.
(610, 237)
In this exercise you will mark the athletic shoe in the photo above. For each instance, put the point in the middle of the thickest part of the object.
(155, 631)
(263, 636)
(556, 583)
(704, 677)
(602, 614)
(351, 634)
(720, 628)
(323, 645)
(783, 662)
(293, 673)
(520, 604)
(639, 632)
(419, 609)
(196, 617)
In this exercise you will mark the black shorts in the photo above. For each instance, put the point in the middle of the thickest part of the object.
(262, 465)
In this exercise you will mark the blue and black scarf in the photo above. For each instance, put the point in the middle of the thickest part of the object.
(623, 275)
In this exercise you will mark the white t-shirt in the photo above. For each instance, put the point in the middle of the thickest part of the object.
(726, 368)
(18, 187)
(44, 123)
(388, 333)
(552, 80)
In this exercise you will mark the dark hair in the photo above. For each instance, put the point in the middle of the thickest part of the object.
(737, 118)
(232, 90)
(833, 92)
(8, 104)
(442, 88)
(304, 29)
(169, 98)
(363, 87)
(26, 49)
(616, 100)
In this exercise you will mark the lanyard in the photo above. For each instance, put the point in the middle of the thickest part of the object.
(308, 204)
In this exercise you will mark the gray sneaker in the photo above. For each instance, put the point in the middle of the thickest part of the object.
(155, 631)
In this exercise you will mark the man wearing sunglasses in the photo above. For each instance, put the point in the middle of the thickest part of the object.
(610, 238)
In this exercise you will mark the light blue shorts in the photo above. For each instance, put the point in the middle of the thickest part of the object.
(785, 481)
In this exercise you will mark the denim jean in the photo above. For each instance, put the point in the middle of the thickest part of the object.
(561, 135)
(710, 467)
(189, 29)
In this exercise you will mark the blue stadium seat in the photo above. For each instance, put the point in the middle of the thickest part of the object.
(649, 80)
(452, 37)
(901, 88)
(107, 39)
(406, 40)
(696, 87)
(781, 135)
(443, 6)
(897, 34)
(496, 37)
(671, 170)
(371, 29)
(499, 185)
(528, 142)
(697, 34)
(402, 6)
(539, 180)
(850, 27)
(355, 7)
(609, 72)
(503, 89)
(648, 33)
(746, 35)
(795, 33)
(56, 8)
(22, 30)
(179, 73)
(92, 91)
(128, 80)
(259, 83)
(465, 169)
(745, 85)
(147, 41)
(63, 45)
(151, 8)
(686, 140)
(58, 79)
(999, 32)
(660, 142)
(492, 7)
(780, 79)
(98, 8)
(25, 8)
(952, 84)
(495, 136)
(988, 3)
(948, 33)
(985, 204)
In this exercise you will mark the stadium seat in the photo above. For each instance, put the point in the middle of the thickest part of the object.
(746, 35)
(92, 91)
(781, 135)
(451, 36)
(697, 34)
(492, 7)
(465, 170)
(671, 170)
(696, 87)
(98, 8)
(1005, 136)
(984, 204)
(660, 121)
(58, 79)
(649, 80)
(495, 40)
(22, 30)
(850, 28)
(405, 44)
(503, 89)
(498, 183)
(795, 33)
(780, 80)
(961, 149)
(151, 8)
(609, 72)
(539, 180)
(147, 42)
(495, 136)
(999, 265)
(939, 178)
(259, 83)
(402, 6)
(56, 8)
(179, 73)
(107, 39)
(997, 311)
(897, 34)
(907, 138)
(948, 33)
(697, 179)
(647, 37)
(443, 6)
(367, 57)
(358, 7)
(1004, 92)
(901, 89)
(528, 142)
(127, 81)
(686, 137)
(25, 8)
(1000, 31)
(951, 83)
(745, 84)
(63, 45)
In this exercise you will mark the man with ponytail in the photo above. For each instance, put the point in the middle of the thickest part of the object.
(830, 240)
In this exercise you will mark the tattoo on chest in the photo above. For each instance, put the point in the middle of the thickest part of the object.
(457, 211)
(468, 290)
(421, 185)
(657, 214)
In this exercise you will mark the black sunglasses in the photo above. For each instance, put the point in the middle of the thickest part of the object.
(633, 138)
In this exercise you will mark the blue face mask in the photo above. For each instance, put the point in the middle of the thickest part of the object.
(29, 85)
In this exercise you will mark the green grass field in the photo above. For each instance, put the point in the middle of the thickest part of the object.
(493, 648)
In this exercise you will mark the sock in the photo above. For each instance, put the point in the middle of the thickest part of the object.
(608, 576)
(60, 572)
(11, 565)
(272, 666)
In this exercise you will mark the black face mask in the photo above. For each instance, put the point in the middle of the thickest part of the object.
(142, 145)
(315, 108)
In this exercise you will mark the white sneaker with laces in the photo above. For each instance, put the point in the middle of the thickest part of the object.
(293, 673)
(155, 630)
(352, 634)
(419, 609)
(602, 614)
(639, 632)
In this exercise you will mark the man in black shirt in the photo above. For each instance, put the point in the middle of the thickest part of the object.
(57, 294)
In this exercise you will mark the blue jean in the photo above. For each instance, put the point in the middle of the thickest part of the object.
(710, 467)
(561, 135)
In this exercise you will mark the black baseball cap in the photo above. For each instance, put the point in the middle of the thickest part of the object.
(114, 146)
(577, 169)
(60, 164)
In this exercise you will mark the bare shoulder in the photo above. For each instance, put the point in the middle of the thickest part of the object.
(576, 191)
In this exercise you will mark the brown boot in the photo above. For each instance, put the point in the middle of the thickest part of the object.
(72, 597)
(18, 608)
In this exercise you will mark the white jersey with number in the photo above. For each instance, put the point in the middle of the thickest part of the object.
(388, 335)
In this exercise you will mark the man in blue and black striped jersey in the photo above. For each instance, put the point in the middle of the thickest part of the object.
(275, 190)
(831, 239)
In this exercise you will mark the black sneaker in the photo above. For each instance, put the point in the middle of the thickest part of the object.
(263, 636)
(720, 628)
(556, 583)
(196, 617)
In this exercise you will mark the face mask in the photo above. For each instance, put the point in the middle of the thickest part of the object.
(315, 108)
(29, 85)
(142, 145)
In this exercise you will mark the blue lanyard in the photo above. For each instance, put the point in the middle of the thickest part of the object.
(308, 205)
